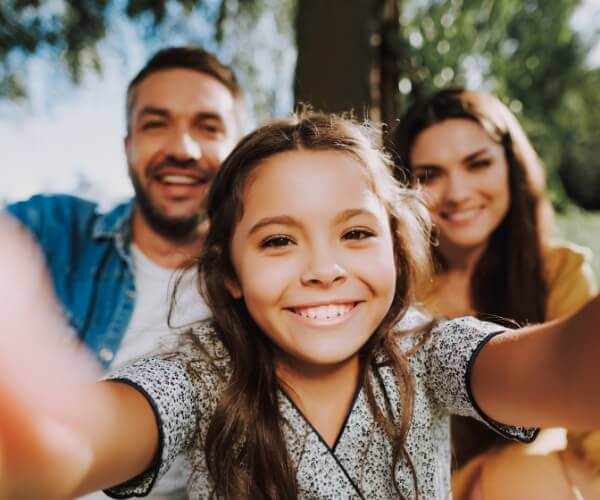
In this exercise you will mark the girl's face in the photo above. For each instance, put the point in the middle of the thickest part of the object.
(464, 175)
(313, 255)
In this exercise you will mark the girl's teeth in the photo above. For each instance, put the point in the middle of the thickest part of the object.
(324, 312)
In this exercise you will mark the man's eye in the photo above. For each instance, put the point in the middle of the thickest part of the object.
(211, 128)
(152, 125)
(358, 234)
(276, 242)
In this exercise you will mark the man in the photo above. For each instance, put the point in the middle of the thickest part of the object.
(112, 272)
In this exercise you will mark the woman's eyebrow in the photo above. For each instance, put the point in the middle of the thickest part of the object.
(469, 158)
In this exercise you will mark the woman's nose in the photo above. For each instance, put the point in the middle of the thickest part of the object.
(457, 188)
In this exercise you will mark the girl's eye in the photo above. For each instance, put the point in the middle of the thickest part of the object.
(276, 242)
(358, 234)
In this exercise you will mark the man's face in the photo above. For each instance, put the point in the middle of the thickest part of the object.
(182, 126)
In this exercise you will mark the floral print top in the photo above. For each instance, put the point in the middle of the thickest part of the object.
(359, 464)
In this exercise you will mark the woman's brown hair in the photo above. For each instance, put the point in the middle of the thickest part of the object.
(509, 278)
(245, 448)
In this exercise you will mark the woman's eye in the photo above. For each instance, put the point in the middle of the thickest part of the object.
(480, 164)
(358, 234)
(276, 242)
(424, 176)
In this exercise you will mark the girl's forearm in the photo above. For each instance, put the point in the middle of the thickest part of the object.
(579, 366)
(544, 375)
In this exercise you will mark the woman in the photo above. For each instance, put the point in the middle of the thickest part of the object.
(484, 185)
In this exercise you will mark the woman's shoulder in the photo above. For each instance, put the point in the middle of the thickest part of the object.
(560, 254)
(570, 278)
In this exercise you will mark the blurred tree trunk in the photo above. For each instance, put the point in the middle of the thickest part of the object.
(343, 56)
(389, 58)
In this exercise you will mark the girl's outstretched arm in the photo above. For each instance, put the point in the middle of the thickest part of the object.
(61, 434)
(544, 375)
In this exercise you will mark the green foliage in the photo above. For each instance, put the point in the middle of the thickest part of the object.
(70, 31)
(527, 53)
(583, 228)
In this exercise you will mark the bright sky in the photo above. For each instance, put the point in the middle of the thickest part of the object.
(64, 135)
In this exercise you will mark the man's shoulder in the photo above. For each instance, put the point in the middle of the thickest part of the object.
(63, 206)
(44, 212)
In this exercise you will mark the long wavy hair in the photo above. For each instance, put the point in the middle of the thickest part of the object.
(508, 280)
(245, 449)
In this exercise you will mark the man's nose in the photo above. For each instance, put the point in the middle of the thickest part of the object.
(185, 147)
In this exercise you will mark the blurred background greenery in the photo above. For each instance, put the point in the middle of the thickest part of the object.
(373, 56)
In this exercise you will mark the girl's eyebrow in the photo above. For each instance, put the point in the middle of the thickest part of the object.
(352, 212)
(286, 220)
(282, 220)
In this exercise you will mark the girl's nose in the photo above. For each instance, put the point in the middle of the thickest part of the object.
(323, 271)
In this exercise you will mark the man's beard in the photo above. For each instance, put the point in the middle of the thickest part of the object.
(172, 228)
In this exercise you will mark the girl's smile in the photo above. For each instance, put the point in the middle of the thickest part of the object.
(325, 314)
(315, 263)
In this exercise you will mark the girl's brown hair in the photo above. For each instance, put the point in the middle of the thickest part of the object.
(509, 278)
(245, 448)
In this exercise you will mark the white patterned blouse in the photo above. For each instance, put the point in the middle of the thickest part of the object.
(359, 464)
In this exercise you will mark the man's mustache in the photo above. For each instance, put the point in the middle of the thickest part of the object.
(173, 163)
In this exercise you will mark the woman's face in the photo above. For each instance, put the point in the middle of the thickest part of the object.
(313, 255)
(464, 175)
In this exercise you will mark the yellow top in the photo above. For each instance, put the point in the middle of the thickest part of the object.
(570, 278)
(571, 281)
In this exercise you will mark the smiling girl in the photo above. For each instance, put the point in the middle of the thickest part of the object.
(315, 379)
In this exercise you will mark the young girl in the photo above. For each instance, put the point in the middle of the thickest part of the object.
(314, 380)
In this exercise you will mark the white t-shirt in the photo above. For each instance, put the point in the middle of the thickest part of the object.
(148, 326)
(147, 332)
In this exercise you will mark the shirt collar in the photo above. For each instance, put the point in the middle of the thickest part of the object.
(116, 223)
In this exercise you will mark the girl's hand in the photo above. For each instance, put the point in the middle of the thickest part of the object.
(41, 374)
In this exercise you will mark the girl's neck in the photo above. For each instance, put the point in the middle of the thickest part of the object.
(324, 394)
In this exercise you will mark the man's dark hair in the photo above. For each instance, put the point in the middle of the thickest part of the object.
(192, 58)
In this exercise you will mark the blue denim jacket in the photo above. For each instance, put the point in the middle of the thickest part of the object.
(88, 255)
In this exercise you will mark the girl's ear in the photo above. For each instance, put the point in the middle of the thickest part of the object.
(233, 287)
